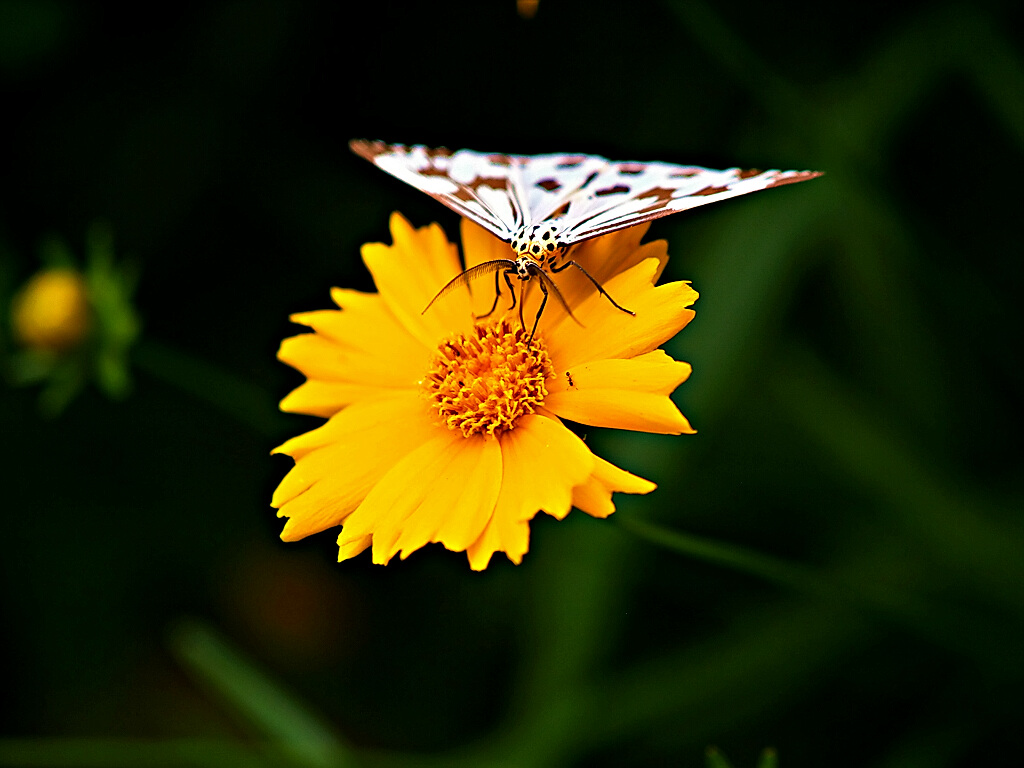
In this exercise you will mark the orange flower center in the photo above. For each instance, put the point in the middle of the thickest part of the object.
(482, 382)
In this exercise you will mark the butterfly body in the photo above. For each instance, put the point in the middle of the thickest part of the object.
(537, 240)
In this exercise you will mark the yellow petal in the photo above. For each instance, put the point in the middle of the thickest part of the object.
(595, 495)
(655, 372)
(362, 323)
(353, 548)
(411, 272)
(542, 462)
(445, 488)
(502, 534)
(624, 394)
(326, 398)
(338, 464)
(621, 409)
(462, 501)
(357, 353)
(319, 357)
(606, 332)
(360, 418)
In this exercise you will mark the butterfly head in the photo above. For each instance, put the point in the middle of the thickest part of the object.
(537, 241)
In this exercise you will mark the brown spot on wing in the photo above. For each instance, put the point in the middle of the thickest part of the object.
(571, 162)
(618, 189)
(549, 184)
(465, 191)
(436, 152)
(660, 193)
(710, 191)
(749, 174)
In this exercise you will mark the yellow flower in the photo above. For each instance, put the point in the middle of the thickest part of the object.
(51, 312)
(447, 428)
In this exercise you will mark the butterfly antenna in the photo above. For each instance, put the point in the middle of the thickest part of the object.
(463, 279)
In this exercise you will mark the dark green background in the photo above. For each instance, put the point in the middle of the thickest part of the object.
(857, 386)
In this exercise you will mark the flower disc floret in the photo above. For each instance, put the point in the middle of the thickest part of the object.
(483, 382)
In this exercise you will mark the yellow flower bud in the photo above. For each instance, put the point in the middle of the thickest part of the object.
(51, 311)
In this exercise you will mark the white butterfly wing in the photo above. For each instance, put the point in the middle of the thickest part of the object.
(583, 195)
(626, 194)
(474, 185)
(551, 181)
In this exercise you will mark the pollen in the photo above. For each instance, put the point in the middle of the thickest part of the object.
(484, 381)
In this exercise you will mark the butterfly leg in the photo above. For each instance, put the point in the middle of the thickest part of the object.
(522, 303)
(497, 293)
(540, 311)
(597, 285)
(511, 290)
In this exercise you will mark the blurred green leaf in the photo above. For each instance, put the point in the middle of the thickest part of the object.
(111, 287)
(255, 697)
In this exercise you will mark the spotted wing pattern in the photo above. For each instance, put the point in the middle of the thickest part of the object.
(582, 195)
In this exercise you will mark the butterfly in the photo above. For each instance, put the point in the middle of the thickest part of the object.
(543, 205)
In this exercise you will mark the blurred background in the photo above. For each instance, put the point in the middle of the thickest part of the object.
(832, 567)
